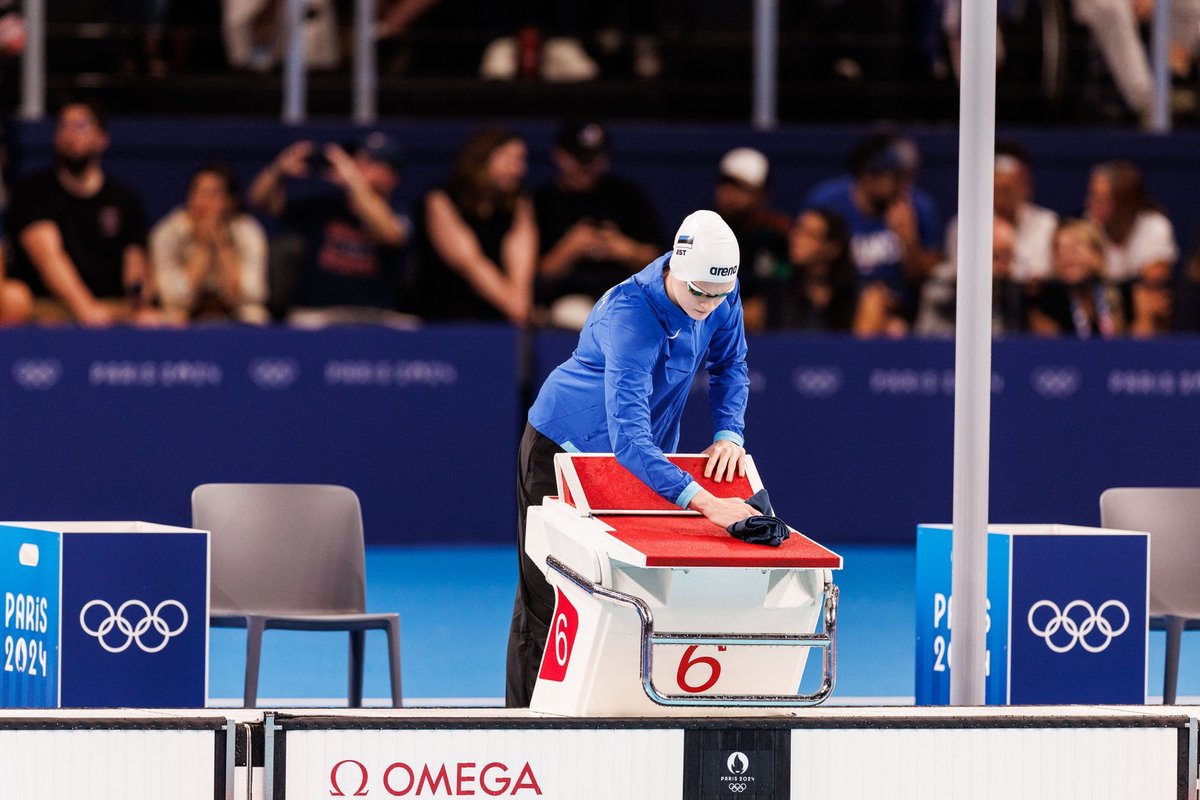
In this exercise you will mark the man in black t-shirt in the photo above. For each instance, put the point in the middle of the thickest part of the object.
(354, 238)
(595, 229)
(80, 235)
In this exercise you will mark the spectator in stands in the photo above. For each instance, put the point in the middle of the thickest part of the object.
(79, 235)
(1012, 198)
(1076, 301)
(1187, 305)
(476, 249)
(355, 238)
(1137, 235)
(251, 30)
(16, 301)
(894, 229)
(741, 198)
(1115, 27)
(937, 316)
(547, 43)
(209, 257)
(595, 228)
(1153, 298)
(816, 287)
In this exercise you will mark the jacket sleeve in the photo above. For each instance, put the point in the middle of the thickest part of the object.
(632, 346)
(728, 376)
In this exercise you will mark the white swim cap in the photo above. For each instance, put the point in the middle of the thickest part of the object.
(705, 249)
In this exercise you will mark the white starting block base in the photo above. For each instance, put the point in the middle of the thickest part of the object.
(657, 610)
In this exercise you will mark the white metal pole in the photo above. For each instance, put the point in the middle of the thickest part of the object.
(294, 88)
(766, 62)
(365, 80)
(1160, 46)
(33, 61)
(973, 350)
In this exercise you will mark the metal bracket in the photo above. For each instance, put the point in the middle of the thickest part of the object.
(827, 641)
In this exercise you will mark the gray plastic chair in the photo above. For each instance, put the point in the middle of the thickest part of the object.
(291, 557)
(1172, 518)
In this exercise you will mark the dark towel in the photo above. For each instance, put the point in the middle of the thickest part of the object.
(763, 528)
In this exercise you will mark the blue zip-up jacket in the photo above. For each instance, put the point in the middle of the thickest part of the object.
(623, 389)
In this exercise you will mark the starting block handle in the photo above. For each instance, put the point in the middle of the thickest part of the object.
(827, 641)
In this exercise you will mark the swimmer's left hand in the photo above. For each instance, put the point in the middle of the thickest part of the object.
(726, 459)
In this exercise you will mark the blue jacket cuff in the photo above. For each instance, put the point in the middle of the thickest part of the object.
(687, 494)
(730, 436)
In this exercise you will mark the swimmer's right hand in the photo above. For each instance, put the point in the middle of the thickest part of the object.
(722, 511)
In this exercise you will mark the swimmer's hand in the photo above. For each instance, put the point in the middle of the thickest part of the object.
(726, 460)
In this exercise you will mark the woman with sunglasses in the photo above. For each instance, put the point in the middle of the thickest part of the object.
(623, 391)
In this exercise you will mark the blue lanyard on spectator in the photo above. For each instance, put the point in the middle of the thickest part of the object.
(1104, 318)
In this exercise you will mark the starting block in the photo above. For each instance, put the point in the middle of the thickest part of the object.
(656, 608)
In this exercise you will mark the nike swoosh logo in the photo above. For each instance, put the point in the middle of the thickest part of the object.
(673, 335)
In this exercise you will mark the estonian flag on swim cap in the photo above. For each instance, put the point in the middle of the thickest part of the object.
(685, 241)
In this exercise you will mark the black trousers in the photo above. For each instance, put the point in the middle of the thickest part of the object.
(534, 604)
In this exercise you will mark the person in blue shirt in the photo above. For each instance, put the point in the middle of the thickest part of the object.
(623, 391)
(894, 227)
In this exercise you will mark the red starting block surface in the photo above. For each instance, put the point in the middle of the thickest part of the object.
(696, 542)
(598, 484)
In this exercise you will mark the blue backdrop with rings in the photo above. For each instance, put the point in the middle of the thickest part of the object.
(852, 438)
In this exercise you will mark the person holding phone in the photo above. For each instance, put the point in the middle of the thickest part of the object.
(354, 237)
(623, 391)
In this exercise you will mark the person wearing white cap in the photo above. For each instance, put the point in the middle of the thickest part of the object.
(741, 198)
(623, 391)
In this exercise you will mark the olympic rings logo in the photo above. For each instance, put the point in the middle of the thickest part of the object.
(1080, 626)
(136, 626)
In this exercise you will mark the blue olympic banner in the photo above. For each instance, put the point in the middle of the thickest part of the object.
(134, 620)
(1067, 615)
(103, 615)
(29, 574)
(853, 438)
(123, 424)
(934, 616)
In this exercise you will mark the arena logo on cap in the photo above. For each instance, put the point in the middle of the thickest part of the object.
(723, 272)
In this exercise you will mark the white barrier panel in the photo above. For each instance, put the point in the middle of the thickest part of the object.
(522, 763)
(65, 764)
(1117, 763)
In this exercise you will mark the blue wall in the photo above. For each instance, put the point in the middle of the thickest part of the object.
(853, 438)
(122, 424)
(675, 162)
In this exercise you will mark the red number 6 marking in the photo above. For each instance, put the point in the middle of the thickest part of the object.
(562, 647)
(685, 666)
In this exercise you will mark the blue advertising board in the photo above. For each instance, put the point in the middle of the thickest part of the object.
(135, 620)
(825, 411)
(935, 616)
(103, 615)
(410, 420)
(29, 582)
(1079, 619)
(430, 419)
(1067, 615)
